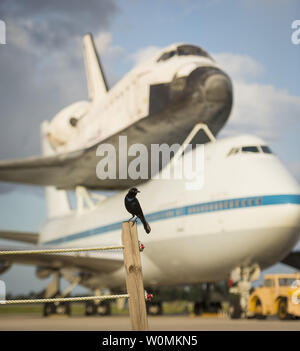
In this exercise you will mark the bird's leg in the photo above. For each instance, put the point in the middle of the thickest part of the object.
(134, 221)
(129, 220)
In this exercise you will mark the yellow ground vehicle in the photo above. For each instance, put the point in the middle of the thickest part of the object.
(279, 295)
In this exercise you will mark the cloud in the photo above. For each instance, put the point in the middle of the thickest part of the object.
(109, 53)
(105, 47)
(261, 109)
(41, 66)
(295, 169)
(52, 23)
(240, 67)
(144, 54)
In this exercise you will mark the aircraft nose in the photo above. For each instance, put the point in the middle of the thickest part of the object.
(218, 88)
(210, 84)
(283, 233)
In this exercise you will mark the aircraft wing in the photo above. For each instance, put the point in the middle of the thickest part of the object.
(42, 170)
(97, 262)
(69, 169)
(292, 259)
(26, 237)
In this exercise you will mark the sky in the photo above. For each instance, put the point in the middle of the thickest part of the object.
(42, 71)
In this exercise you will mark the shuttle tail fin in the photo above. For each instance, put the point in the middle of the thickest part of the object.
(97, 84)
(56, 200)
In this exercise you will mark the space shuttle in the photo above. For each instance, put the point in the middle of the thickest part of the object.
(158, 101)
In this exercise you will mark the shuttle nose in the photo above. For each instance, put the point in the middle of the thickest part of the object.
(195, 94)
(211, 85)
(218, 88)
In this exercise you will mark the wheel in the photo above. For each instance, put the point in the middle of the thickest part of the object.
(103, 309)
(63, 308)
(282, 312)
(155, 309)
(235, 310)
(198, 308)
(68, 309)
(258, 312)
(90, 308)
(49, 308)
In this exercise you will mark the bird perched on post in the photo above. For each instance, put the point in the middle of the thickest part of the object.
(134, 208)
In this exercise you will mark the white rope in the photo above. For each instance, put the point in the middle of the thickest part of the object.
(25, 252)
(65, 299)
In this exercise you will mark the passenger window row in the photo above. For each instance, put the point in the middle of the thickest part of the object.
(225, 204)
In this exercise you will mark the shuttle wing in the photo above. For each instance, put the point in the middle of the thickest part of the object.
(42, 170)
(95, 262)
(64, 171)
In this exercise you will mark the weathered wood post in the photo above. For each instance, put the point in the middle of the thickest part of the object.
(134, 277)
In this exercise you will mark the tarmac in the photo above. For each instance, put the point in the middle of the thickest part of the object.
(18, 322)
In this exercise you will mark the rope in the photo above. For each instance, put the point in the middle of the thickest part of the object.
(65, 299)
(25, 252)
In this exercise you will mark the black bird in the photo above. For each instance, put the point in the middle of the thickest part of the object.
(133, 206)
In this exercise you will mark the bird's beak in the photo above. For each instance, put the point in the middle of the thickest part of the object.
(138, 191)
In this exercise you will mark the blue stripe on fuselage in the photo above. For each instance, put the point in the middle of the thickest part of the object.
(213, 206)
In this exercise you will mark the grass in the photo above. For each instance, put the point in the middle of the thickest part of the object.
(16, 309)
(78, 309)
(177, 307)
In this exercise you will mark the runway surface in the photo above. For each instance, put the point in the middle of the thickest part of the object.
(34, 322)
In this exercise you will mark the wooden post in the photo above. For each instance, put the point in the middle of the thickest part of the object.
(134, 277)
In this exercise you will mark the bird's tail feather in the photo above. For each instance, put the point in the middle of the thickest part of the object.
(146, 225)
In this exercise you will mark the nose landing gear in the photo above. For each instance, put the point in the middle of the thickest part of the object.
(240, 290)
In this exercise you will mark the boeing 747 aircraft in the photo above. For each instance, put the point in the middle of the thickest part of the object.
(245, 218)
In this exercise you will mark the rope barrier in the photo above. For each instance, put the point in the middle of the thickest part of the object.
(134, 279)
(25, 252)
(65, 299)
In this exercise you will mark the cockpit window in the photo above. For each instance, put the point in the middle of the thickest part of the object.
(266, 149)
(191, 50)
(167, 55)
(183, 50)
(247, 149)
(250, 149)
